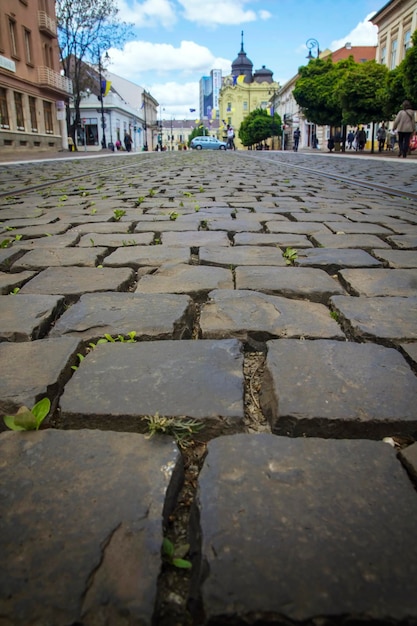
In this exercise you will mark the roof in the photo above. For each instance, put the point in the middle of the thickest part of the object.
(359, 53)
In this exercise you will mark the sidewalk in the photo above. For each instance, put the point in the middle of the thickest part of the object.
(265, 319)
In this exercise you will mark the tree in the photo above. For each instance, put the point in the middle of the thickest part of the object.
(86, 28)
(402, 83)
(198, 131)
(362, 94)
(316, 90)
(259, 126)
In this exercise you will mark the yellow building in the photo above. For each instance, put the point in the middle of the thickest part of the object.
(242, 92)
(396, 21)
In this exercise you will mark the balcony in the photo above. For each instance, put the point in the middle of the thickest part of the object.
(49, 78)
(46, 24)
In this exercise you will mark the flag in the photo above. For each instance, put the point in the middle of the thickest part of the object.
(241, 79)
(143, 104)
(213, 114)
(105, 87)
(234, 80)
(192, 110)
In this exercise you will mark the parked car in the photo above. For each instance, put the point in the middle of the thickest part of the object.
(207, 143)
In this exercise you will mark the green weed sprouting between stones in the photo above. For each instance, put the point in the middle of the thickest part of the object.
(14, 291)
(152, 192)
(26, 419)
(334, 315)
(131, 338)
(173, 216)
(181, 429)
(118, 214)
(174, 554)
(139, 200)
(290, 255)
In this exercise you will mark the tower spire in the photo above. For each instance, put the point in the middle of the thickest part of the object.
(241, 45)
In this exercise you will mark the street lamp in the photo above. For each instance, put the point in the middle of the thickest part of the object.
(145, 128)
(101, 97)
(311, 44)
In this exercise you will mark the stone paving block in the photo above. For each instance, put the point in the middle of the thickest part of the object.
(54, 241)
(245, 314)
(166, 225)
(104, 228)
(360, 228)
(299, 228)
(380, 282)
(265, 239)
(404, 242)
(8, 256)
(82, 537)
(305, 531)
(196, 239)
(33, 369)
(119, 383)
(409, 458)
(39, 230)
(25, 318)
(74, 281)
(241, 255)
(115, 240)
(154, 316)
(343, 389)
(39, 259)
(319, 216)
(365, 242)
(143, 256)
(389, 318)
(8, 282)
(290, 282)
(397, 258)
(237, 225)
(334, 259)
(181, 278)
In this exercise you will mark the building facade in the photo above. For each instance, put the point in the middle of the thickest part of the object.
(33, 93)
(396, 21)
(243, 91)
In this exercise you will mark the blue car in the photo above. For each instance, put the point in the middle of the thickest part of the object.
(207, 143)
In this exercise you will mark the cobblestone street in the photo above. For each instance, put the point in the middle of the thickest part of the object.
(270, 300)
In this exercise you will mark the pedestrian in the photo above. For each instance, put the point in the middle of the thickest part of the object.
(330, 144)
(128, 142)
(230, 138)
(118, 144)
(296, 137)
(405, 125)
(70, 144)
(360, 139)
(381, 135)
(350, 139)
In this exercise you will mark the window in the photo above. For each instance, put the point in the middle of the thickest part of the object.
(394, 46)
(27, 38)
(383, 55)
(32, 111)
(407, 39)
(47, 55)
(245, 105)
(4, 112)
(47, 113)
(13, 38)
(18, 103)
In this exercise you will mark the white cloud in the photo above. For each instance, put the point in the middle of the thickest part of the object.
(162, 58)
(364, 34)
(148, 13)
(216, 12)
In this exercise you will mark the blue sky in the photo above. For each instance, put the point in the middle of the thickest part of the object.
(176, 42)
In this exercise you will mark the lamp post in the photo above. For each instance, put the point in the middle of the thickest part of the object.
(172, 136)
(101, 97)
(145, 128)
(311, 44)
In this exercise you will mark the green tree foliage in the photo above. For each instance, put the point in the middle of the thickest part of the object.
(316, 90)
(86, 28)
(407, 74)
(259, 126)
(362, 93)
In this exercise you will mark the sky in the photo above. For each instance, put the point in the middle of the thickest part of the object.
(176, 42)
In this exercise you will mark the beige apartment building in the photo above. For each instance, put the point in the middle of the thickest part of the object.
(396, 21)
(32, 90)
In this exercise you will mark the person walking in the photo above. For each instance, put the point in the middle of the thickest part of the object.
(360, 139)
(405, 125)
(296, 137)
(128, 142)
(350, 139)
(381, 136)
(230, 138)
